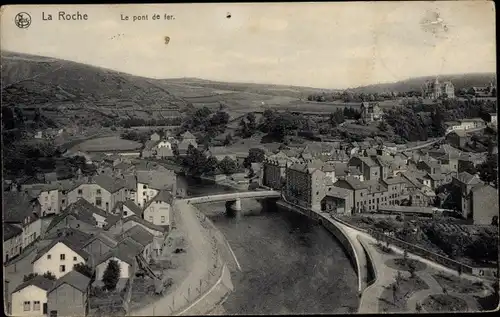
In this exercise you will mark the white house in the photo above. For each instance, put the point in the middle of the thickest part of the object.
(60, 256)
(30, 298)
(12, 241)
(157, 211)
(32, 230)
(125, 261)
(164, 144)
(149, 184)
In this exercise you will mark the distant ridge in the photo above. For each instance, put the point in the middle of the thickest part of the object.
(459, 81)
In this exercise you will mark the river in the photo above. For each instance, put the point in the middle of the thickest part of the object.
(290, 265)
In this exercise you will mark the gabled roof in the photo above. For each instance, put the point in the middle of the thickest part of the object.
(72, 238)
(38, 281)
(144, 223)
(150, 144)
(17, 206)
(187, 135)
(338, 192)
(130, 204)
(164, 179)
(139, 235)
(104, 238)
(75, 279)
(467, 178)
(110, 184)
(394, 180)
(353, 182)
(10, 231)
(367, 160)
(81, 210)
(121, 251)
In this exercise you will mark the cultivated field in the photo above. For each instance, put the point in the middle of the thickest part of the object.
(112, 143)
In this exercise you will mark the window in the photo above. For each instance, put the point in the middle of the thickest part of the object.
(150, 219)
(74, 258)
(27, 306)
(162, 219)
(62, 268)
(63, 201)
(63, 257)
(124, 212)
(98, 192)
(98, 201)
(144, 187)
(49, 256)
(46, 198)
(36, 305)
(107, 206)
(143, 193)
(80, 192)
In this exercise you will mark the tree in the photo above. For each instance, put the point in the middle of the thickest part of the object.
(49, 275)
(494, 221)
(399, 278)
(228, 140)
(85, 270)
(228, 166)
(418, 307)
(111, 275)
(412, 269)
(382, 126)
(255, 155)
(394, 292)
(29, 277)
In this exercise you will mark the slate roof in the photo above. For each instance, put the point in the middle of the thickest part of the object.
(144, 222)
(165, 179)
(139, 235)
(367, 160)
(104, 238)
(72, 238)
(355, 183)
(133, 247)
(150, 144)
(375, 186)
(10, 231)
(121, 251)
(187, 135)
(110, 184)
(75, 279)
(17, 206)
(468, 179)
(394, 180)
(130, 182)
(130, 204)
(38, 281)
(338, 192)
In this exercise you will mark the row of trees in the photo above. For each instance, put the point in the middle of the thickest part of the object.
(349, 96)
(196, 163)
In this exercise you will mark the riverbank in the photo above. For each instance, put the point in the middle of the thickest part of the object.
(197, 290)
(289, 264)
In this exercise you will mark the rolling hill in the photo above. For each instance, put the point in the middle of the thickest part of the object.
(415, 84)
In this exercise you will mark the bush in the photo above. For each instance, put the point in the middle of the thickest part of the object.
(111, 275)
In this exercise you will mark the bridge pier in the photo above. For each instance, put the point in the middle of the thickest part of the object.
(233, 208)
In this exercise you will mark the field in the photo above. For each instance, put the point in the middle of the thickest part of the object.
(112, 143)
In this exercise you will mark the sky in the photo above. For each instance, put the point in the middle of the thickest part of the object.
(325, 45)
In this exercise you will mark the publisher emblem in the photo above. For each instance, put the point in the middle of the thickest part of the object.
(23, 20)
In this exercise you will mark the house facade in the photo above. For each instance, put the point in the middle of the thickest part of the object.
(158, 210)
(484, 203)
(69, 296)
(59, 259)
(305, 185)
(12, 241)
(338, 201)
(30, 298)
